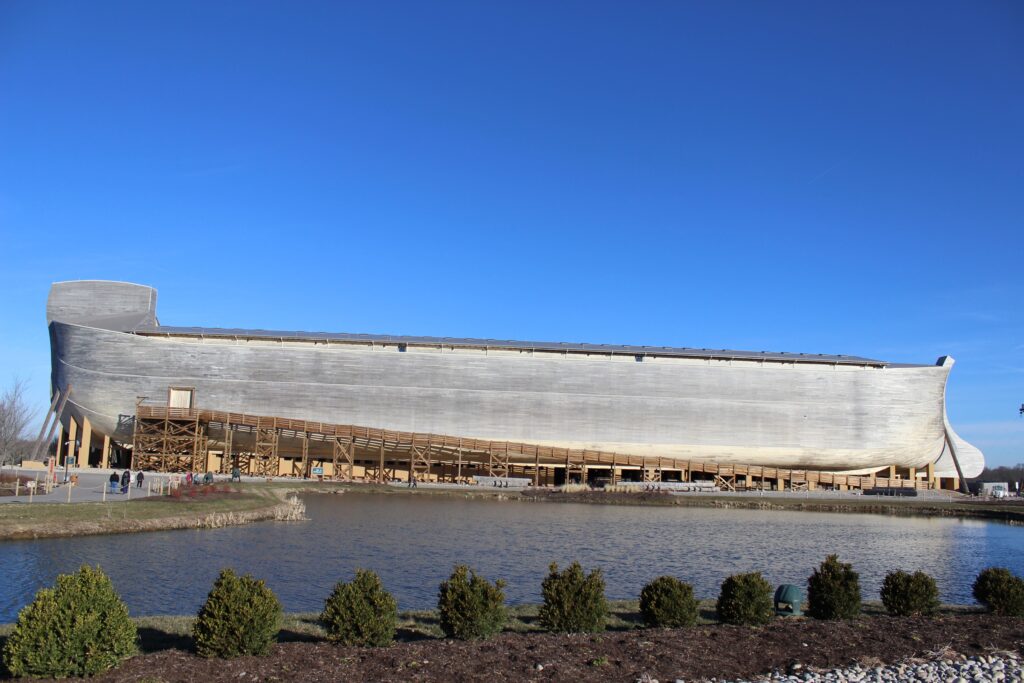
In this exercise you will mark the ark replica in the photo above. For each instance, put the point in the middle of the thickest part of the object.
(130, 391)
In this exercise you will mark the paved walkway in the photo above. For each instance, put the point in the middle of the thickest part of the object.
(93, 486)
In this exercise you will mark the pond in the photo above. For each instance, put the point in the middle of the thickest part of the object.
(413, 542)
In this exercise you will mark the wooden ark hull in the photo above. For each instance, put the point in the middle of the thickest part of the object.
(779, 410)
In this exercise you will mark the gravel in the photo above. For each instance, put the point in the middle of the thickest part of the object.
(1004, 666)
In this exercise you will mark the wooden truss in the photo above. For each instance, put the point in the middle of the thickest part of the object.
(344, 458)
(176, 440)
(171, 444)
(419, 462)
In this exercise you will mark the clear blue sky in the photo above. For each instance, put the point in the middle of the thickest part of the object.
(818, 177)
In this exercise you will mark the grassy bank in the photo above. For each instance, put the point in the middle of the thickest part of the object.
(225, 508)
(1010, 511)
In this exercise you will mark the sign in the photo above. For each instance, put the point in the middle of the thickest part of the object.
(69, 461)
(318, 471)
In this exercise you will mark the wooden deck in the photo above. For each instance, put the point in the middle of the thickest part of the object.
(179, 439)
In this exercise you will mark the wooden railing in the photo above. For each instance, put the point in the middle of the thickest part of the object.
(519, 452)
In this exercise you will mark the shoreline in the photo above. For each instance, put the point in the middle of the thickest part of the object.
(1011, 513)
(277, 501)
(60, 520)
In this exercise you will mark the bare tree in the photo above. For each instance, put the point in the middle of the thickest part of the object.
(15, 416)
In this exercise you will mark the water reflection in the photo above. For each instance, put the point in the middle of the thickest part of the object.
(414, 541)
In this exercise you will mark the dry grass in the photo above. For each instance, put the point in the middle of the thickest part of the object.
(248, 504)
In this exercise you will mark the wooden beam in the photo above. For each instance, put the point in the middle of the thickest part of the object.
(83, 451)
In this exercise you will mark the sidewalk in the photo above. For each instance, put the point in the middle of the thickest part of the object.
(91, 486)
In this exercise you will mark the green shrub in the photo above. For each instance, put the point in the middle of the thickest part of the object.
(471, 607)
(241, 616)
(79, 627)
(668, 602)
(833, 590)
(361, 612)
(746, 599)
(574, 602)
(907, 595)
(1000, 591)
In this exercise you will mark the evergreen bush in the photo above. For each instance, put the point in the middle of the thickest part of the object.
(668, 602)
(241, 616)
(574, 602)
(471, 608)
(1000, 591)
(746, 599)
(833, 590)
(360, 612)
(80, 627)
(907, 595)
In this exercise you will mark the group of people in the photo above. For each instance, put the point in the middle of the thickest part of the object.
(197, 479)
(125, 480)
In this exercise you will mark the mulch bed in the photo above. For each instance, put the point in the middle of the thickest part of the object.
(664, 654)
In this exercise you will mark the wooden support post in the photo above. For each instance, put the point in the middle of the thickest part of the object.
(380, 468)
(536, 466)
(305, 455)
(227, 463)
(458, 471)
(350, 459)
(83, 451)
(930, 474)
(60, 442)
(72, 439)
(51, 415)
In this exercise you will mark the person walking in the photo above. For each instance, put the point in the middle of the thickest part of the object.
(188, 478)
(126, 481)
(114, 479)
(138, 479)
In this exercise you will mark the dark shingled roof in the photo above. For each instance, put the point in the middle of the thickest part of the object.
(566, 347)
